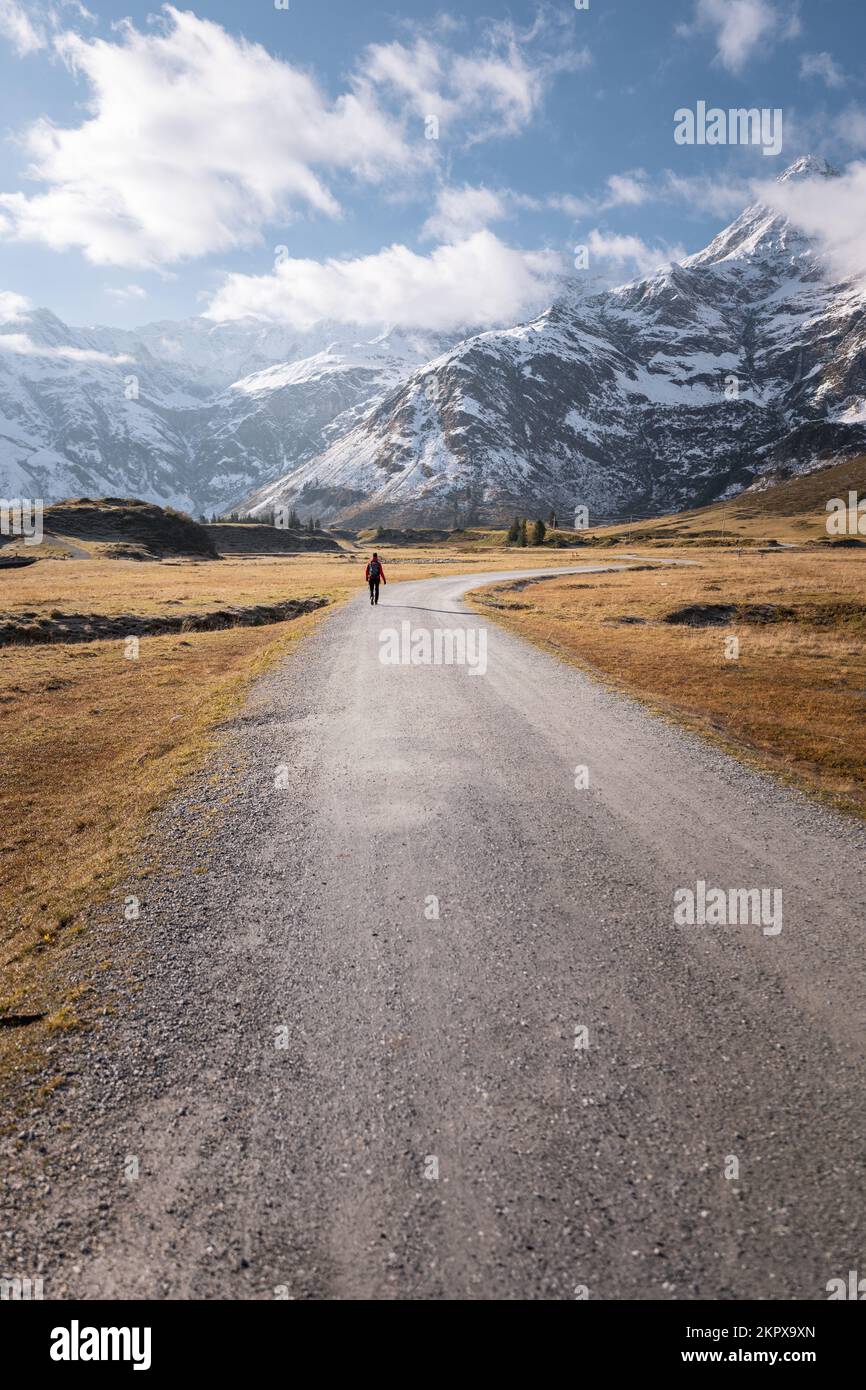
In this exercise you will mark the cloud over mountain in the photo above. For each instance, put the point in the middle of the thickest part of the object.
(478, 280)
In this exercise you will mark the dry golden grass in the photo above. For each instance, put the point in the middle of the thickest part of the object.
(92, 741)
(183, 586)
(172, 586)
(794, 701)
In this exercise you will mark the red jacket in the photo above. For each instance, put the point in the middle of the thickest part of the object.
(381, 572)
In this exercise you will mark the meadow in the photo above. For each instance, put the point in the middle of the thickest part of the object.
(787, 694)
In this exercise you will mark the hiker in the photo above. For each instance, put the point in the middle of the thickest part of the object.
(373, 574)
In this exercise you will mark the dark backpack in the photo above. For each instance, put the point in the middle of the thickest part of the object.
(375, 570)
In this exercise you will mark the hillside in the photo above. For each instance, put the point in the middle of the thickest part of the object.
(117, 528)
(239, 538)
(791, 512)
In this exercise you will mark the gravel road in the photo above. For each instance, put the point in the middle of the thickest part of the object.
(406, 1013)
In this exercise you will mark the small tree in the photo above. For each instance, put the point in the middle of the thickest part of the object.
(539, 531)
(551, 520)
(523, 538)
(514, 531)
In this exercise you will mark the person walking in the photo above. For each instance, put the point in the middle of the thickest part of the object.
(373, 574)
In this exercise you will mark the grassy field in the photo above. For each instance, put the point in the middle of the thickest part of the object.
(792, 701)
(172, 586)
(181, 586)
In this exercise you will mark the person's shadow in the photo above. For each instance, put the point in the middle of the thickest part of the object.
(416, 608)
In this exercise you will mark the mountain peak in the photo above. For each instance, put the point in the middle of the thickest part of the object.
(762, 233)
(808, 166)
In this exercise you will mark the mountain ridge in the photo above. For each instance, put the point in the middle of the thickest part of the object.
(674, 389)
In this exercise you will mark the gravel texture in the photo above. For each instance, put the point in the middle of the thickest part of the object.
(300, 1045)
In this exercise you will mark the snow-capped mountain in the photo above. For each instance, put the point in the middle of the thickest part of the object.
(193, 414)
(278, 417)
(80, 415)
(673, 390)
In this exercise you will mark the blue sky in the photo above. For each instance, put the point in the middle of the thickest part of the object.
(153, 161)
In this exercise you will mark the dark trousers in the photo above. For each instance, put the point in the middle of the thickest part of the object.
(374, 590)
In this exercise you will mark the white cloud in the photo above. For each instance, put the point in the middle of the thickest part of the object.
(193, 141)
(12, 306)
(822, 65)
(493, 91)
(628, 255)
(576, 208)
(833, 134)
(23, 346)
(29, 27)
(740, 28)
(19, 28)
(478, 281)
(125, 293)
(566, 203)
(462, 211)
(626, 189)
(832, 210)
(849, 128)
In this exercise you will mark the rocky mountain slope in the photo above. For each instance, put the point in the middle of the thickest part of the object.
(671, 391)
(192, 414)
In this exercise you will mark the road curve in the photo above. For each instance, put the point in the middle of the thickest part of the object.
(417, 1021)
